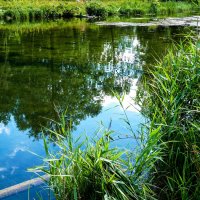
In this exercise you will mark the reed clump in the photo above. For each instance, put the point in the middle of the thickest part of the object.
(39, 10)
(95, 169)
(172, 91)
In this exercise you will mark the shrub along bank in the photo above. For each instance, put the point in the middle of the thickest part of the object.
(37, 10)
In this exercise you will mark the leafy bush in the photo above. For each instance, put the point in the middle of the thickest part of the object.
(132, 9)
(96, 9)
(92, 169)
(154, 7)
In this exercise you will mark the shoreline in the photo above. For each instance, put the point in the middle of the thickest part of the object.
(26, 10)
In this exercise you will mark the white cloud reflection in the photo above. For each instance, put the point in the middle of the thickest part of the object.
(128, 101)
(3, 169)
(16, 150)
(13, 170)
(2, 177)
(4, 129)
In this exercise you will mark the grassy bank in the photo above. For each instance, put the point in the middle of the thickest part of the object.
(37, 10)
(166, 163)
(93, 169)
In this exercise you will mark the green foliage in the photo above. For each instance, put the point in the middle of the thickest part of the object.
(96, 9)
(154, 7)
(171, 7)
(31, 10)
(93, 169)
(133, 8)
(172, 92)
(44, 10)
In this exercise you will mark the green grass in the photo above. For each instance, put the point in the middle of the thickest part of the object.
(93, 169)
(171, 99)
(171, 7)
(37, 10)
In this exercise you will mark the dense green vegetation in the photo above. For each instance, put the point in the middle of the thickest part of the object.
(34, 10)
(94, 169)
(166, 164)
(172, 101)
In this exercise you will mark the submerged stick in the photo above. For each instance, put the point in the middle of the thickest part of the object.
(22, 186)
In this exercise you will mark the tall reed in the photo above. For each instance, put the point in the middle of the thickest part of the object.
(93, 169)
(172, 91)
(166, 164)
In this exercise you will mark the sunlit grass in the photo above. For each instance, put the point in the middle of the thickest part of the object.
(92, 168)
(172, 91)
(35, 9)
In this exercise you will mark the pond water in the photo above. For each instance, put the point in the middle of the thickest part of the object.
(72, 65)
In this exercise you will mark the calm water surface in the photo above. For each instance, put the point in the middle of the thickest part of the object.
(71, 65)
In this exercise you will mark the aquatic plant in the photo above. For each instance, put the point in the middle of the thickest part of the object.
(170, 98)
(94, 169)
(96, 9)
(154, 7)
(34, 10)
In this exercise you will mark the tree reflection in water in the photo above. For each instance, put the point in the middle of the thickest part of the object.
(71, 67)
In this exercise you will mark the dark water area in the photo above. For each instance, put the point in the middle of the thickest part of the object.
(74, 66)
